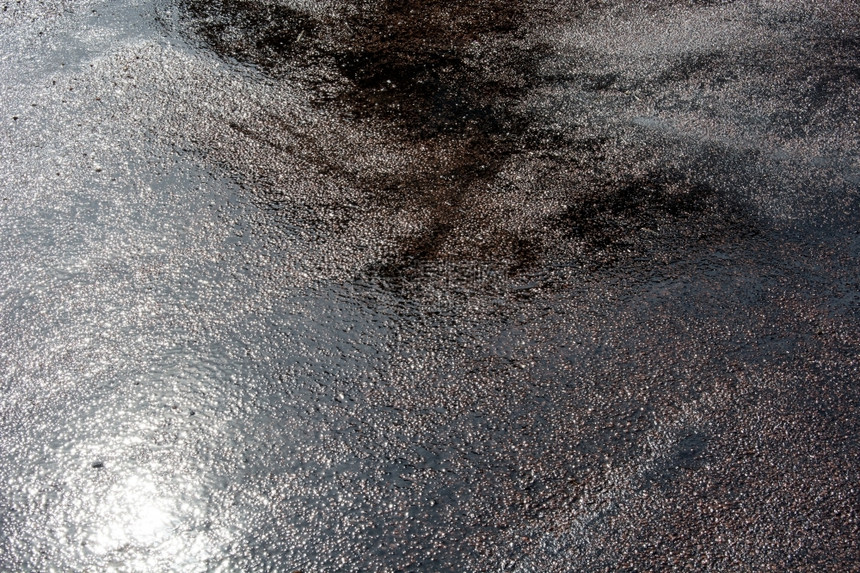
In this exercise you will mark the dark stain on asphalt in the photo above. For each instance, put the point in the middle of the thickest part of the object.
(447, 80)
(260, 33)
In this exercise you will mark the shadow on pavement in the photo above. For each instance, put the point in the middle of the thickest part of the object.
(448, 82)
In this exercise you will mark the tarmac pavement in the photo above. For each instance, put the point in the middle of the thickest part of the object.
(429, 286)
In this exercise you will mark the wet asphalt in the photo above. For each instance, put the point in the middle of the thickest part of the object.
(429, 286)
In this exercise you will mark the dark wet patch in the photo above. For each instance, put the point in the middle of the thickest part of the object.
(260, 33)
(433, 73)
(447, 81)
(713, 67)
(691, 452)
(619, 212)
(425, 67)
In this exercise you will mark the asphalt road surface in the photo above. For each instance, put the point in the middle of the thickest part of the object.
(294, 285)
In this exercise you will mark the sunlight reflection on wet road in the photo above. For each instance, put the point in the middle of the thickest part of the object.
(428, 286)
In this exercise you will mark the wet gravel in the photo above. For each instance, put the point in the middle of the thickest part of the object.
(429, 286)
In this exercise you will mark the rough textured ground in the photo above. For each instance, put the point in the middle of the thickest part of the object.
(429, 286)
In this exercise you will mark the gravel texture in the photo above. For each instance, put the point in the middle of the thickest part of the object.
(429, 286)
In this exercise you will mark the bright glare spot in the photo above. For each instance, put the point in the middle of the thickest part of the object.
(144, 525)
(134, 514)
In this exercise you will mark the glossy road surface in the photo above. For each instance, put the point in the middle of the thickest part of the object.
(429, 286)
